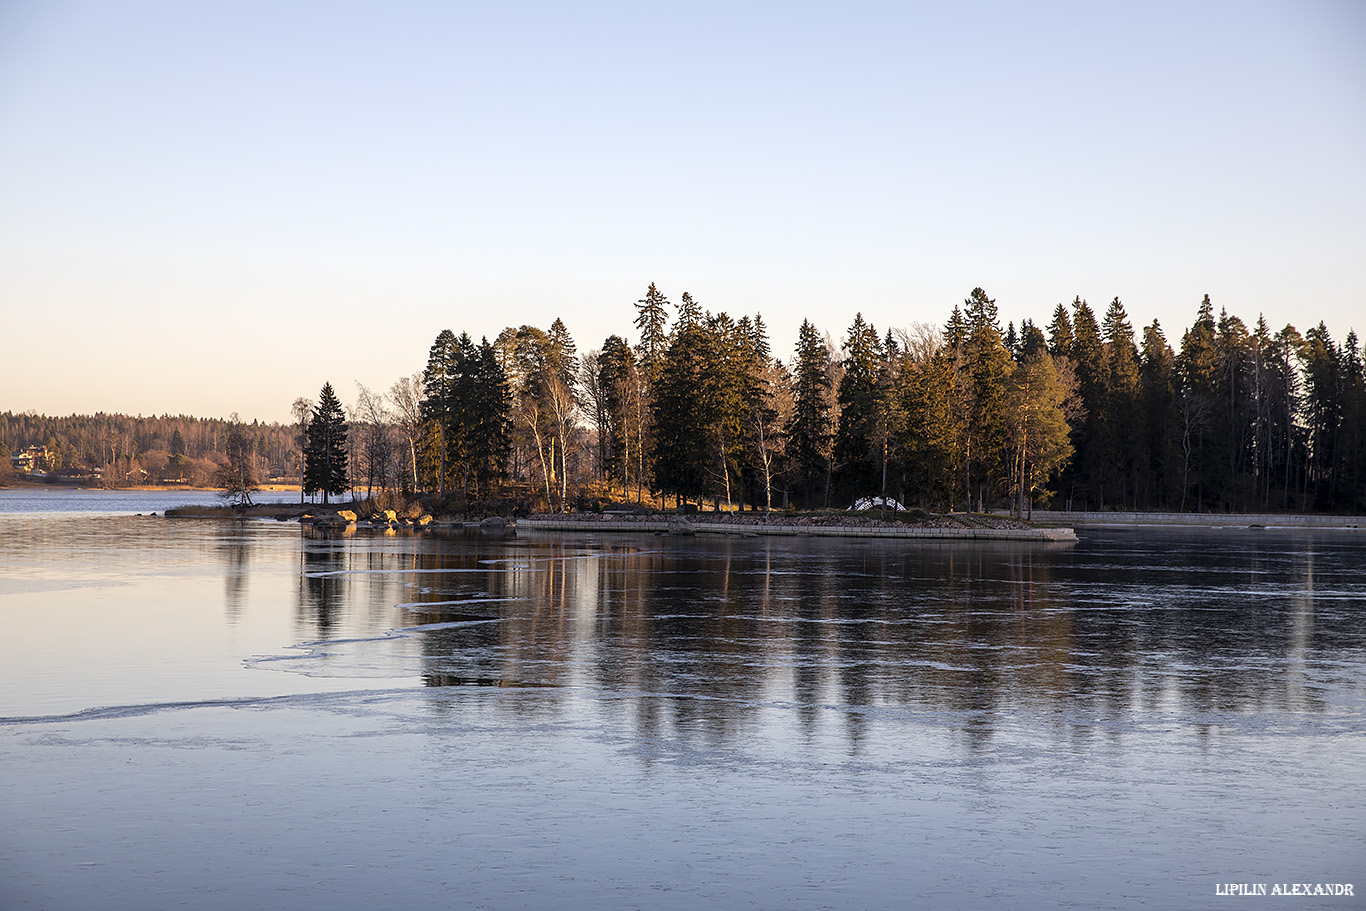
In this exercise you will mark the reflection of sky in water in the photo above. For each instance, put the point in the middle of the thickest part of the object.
(677, 723)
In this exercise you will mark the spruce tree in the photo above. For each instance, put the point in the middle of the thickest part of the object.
(325, 456)
(1352, 437)
(1012, 340)
(979, 311)
(808, 430)
(932, 434)
(956, 331)
(616, 362)
(1121, 428)
(651, 318)
(1159, 459)
(1060, 333)
(562, 353)
(1032, 340)
(689, 312)
(437, 379)
(679, 412)
(857, 449)
(1088, 361)
(1323, 368)
(988, 366)
(758, 339)
(487, 429)
(1198, 370)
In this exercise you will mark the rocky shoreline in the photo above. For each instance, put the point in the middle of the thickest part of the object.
(1046, 526)
(956, 525)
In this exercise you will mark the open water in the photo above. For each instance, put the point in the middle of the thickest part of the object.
(222, 714)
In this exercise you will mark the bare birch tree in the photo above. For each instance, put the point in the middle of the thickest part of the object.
(301, 410)
(406, 396)
(373, 419)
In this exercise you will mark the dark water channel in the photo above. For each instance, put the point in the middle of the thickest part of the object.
(228, 714)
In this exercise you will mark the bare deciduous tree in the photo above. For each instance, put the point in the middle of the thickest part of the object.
(597, 408)
(920, 341)
(301, 410)
(406, 396)
(374, 421)
(562, 407)
(236, 477)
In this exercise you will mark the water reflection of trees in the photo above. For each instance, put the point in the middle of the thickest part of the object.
(698, 639)
(234, 549)
(322, 587)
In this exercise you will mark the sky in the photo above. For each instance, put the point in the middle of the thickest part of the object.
(211, 207)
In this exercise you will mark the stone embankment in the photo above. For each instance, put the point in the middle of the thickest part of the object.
(956, 526)
(942, 528)
(1199, 520)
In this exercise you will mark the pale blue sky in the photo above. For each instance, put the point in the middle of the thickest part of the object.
(214, 207)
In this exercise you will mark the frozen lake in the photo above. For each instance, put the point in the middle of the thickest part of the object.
(218, 715)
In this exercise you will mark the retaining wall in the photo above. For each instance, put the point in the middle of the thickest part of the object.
(816, 531)
(1200, 520)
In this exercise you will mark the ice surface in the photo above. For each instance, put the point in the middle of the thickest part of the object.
(720, 724)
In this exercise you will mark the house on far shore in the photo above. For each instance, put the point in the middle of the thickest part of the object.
(30, 460)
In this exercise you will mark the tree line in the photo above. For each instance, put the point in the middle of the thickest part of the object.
(1080, 414)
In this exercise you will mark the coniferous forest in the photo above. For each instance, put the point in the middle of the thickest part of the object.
(1082, 413)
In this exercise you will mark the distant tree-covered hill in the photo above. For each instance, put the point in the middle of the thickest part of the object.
(126, 450)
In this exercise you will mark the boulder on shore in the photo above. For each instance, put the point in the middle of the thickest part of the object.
(346, 514)
(494, 522)
(681, 526)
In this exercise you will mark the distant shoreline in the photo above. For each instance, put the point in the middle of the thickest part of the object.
(966, 525)
(68, 487)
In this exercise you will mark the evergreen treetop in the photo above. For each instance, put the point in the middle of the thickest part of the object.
(325, 457)
(651, 318)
